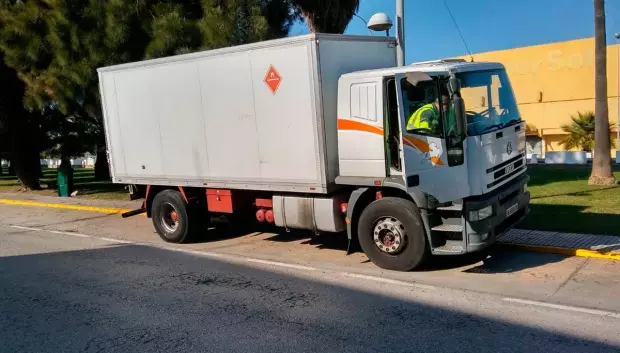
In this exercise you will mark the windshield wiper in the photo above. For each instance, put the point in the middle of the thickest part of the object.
(491, 127)
(513, 122)
(500, 125)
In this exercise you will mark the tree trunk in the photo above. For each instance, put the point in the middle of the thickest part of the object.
(21, 129)
(27, 166)
(102, 168)
(24, 151)
(11, 168)
(601, 163)
(309, 22)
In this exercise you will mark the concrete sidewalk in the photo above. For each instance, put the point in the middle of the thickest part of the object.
(581, 245)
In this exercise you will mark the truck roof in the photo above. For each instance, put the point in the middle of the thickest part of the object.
(247, 47)
(436, 66)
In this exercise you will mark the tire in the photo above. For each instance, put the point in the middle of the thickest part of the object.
(413, 249)
(165, 202)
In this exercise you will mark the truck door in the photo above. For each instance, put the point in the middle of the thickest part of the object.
(361, 141)
(424, 144)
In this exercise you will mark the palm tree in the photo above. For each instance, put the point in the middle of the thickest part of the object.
(580, 132)
(601, 163)
(327, 16)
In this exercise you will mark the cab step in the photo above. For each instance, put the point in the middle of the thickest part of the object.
(455, 228)
(451, 247)
(454, 207)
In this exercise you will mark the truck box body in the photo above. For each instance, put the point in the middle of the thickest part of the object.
(260, 116)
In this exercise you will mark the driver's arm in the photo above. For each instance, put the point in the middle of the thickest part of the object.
(428, 120)
(425, 121)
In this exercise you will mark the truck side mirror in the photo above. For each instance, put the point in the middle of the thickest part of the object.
(460, 115)
(454, 85)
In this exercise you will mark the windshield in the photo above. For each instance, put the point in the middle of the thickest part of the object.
(489, 101)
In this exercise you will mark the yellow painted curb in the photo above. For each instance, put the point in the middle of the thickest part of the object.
(611, 255)
(64, 206)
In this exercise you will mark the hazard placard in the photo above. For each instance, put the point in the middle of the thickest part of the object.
(273, 79)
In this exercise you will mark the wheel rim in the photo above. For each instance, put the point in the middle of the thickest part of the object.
(169, 217)
(389, 235)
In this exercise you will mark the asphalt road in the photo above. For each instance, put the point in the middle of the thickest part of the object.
(61, 293)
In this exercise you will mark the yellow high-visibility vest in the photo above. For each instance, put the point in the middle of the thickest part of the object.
(416, 122)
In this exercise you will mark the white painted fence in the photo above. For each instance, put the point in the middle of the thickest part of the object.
(566, 158)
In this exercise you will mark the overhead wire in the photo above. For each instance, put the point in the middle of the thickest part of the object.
(445, 2)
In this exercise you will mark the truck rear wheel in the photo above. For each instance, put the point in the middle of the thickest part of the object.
(171, 217)
(391, 234)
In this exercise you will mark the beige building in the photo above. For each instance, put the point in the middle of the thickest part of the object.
(552, 82)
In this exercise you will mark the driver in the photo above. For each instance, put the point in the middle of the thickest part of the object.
(427, 117)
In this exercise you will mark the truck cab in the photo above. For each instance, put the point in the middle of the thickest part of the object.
(447, 136)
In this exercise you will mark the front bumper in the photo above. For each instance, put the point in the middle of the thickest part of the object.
(510, 205)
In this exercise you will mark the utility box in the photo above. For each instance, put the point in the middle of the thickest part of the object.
(64, 180)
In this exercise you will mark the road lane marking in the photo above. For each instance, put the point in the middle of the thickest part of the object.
(112, 240)
(27, 228)
(565, 307)
(281, 264)
(193, 252)
(387, 280)
(108, 210)
(51, 231)
(69, 233)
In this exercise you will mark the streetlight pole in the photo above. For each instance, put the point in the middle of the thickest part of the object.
(400, 32)
(617, 35)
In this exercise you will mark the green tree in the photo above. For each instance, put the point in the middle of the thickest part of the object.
(66, 137)
(57, 45)
(17, 127)
(601, 163)
(327, 16)
(580, 133)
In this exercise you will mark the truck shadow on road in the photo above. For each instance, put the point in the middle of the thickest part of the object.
(490, 262)
(122, 298)
(226, 231)
(494, 262)
(337, 241)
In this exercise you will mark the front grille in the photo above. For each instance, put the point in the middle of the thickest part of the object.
(500, 173)
(506, 163)
(506, 170)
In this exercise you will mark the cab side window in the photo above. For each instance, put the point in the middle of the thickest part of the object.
(422, 108)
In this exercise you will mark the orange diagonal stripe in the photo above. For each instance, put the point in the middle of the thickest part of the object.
(416, 143)
(351, 125)
(436, 161)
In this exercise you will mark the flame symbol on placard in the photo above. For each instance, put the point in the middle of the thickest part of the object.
(273, 79)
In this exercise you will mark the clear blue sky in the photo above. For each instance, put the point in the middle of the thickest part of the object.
(486, 24)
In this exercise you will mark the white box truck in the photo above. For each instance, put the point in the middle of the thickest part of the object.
(322, 132)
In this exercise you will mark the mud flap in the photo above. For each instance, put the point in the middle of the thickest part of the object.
(352, 238)
(349, 250)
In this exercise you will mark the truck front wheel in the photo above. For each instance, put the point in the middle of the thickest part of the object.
(391, 234)
(171, 217)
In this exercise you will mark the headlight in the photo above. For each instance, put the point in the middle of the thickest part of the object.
(481, 214)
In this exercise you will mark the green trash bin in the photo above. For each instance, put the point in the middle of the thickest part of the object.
(64, 180)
